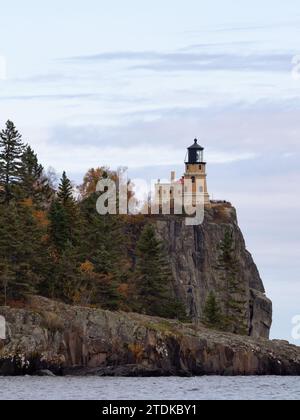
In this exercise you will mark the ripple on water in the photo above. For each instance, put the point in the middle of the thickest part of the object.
(202, 388)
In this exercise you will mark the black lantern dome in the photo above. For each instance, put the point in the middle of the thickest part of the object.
(195, 153)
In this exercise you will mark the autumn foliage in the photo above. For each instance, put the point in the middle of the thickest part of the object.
(54, 243)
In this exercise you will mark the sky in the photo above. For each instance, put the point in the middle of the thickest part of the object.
(131, 83)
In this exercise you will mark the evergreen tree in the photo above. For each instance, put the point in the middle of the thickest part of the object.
(153, 278)
(63, 216)
(65, 192)
(105, 281)
(212, 315)
(104, 234)
(59, 227)
(235, 293)
(33, 182)
(11, 150)
(66, 280)
(103, 243)
(21, 250)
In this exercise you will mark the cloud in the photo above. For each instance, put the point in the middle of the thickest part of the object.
(44, 78)
(248, 28)
(263, 128)
(50, 97)
(193, 61)
(231, 44)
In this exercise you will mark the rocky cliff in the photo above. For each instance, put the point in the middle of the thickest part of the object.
(193, 251)
(67, 339)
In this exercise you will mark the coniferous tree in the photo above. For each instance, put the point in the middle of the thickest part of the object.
(21, 255)
(65, 192)
(153, 278)
(62, 215)
(212, 315)
(64, 236)
(104, 233)
(103, 243)
(105, 279)
(59, 227)
(11, 150)
(33, 182)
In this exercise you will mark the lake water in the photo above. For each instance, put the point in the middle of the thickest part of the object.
(201, 388)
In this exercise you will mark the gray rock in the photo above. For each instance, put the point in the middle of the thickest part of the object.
(126, 344)
(193, 254)
(45, 372)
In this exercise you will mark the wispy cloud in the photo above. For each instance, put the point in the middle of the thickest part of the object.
(193, 61)
(43, 78)
(50, 97)
(246, 27)
(237, 131)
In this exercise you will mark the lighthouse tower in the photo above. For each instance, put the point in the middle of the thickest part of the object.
(195, 171)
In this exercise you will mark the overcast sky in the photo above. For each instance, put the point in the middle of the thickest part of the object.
(132, 83)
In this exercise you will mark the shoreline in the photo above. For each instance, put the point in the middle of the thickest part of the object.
(82, 341)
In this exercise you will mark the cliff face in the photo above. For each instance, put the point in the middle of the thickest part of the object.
(65, 339)
(193, 252)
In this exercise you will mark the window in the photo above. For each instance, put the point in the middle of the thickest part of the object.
(201, 189)
(200, 167)
(193, 179)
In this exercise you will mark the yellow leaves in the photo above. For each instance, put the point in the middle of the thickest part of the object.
(87, 267)
(39, 215)
(27, 202)
(41, 218)
(78, 296)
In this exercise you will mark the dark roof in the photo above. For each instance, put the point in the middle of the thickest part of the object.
(196, 145)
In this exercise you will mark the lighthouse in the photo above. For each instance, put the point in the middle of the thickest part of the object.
(195, 171)
(193, 183)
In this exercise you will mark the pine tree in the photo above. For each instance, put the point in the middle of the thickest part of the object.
(105, 279)
(212, 315)
(235, 293)
(63, 216)
(59, 227)
(33, 182)
(102, 233)
(11, 150)
(21, 246)
(65, 192)
(153, 278)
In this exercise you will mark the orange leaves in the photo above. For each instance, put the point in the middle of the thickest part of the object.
(90, 181)
(41, 218)
(87, 267)
(123, 290)
(27, 202)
